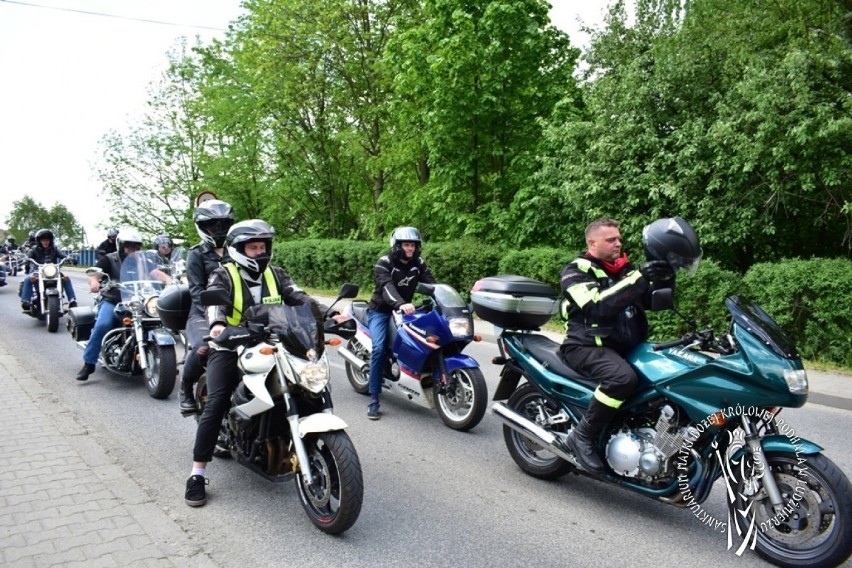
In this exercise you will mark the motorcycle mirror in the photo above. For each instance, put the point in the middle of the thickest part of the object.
(662, 299)
(348, 290)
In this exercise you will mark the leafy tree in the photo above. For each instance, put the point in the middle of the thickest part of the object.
(28, 214)
(735, 116)
(473, 80)
(151, 174)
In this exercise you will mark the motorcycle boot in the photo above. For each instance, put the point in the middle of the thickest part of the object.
(84, 373)
(581, 440)
(186, 395)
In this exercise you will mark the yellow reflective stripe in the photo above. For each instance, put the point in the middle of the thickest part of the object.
(274, 297)
(237, 283)
(583, 293)
(586, 265)
(607, 400)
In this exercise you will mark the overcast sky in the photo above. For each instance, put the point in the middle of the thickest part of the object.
(74, 69)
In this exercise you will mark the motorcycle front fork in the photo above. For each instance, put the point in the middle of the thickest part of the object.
(763, 471)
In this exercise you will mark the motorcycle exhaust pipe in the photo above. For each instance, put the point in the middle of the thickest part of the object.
(532, 431)
(353, 360)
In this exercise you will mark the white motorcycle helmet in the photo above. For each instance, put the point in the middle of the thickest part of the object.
(128, 237)
(248, 231)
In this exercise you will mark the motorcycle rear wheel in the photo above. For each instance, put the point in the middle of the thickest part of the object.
(161, 370)
(465, 408)
(360, 381)
(52, 313)
(530, 456)
(333, 501)
(818, 530)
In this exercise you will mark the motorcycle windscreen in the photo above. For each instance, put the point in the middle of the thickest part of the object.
(299, 328)
(135, 275)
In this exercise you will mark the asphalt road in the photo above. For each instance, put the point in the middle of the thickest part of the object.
(433, 496)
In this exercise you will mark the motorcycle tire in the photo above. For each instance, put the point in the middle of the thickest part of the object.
(530, 456)
(465, 407)
(360, 381)
(52, 314)
(816, 529)
(161, 370)
(333, 501)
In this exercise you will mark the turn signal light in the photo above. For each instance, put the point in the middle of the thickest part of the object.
(267, 350)
(334, 342)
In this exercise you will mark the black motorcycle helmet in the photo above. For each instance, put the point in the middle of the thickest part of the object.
(212, 219)
(405, 235)
(44, 234)
(674, 241)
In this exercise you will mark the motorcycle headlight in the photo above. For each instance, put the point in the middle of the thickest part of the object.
(797, 381)
(313, 375)
(151, 306)
(460, 327)
(49, 270)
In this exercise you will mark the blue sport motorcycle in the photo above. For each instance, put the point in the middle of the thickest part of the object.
(425, 363)
(706, 408)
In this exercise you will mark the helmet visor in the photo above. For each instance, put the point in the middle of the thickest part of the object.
(690, 265)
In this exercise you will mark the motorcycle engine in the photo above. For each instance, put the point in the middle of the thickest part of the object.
(646, 452)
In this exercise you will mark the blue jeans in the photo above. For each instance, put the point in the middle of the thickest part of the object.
(27, 290)
(106, 321)
(378, 323)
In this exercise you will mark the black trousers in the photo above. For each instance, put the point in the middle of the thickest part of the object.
(223, 377)
(616, 377)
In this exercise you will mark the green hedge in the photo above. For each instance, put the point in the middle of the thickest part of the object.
(810, 299)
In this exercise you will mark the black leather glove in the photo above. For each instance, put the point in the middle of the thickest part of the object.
(657, 271)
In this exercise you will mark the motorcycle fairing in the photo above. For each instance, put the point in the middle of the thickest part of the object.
(262, 401)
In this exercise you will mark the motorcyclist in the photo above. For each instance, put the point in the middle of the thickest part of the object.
(606, 298)
(396, 276)
(46, 251)
(29, 245)
(164, 246)
(129, 242)
(108, 245)
(10, 244)
(212, 219)
(251, 283)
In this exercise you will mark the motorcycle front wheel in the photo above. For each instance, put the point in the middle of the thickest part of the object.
(333, 501)
(52, 313)
(359, 381)
(464, 407)
(532, 457)
(815, 527)
(161, 370)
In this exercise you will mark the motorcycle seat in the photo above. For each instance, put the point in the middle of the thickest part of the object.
(546, 351)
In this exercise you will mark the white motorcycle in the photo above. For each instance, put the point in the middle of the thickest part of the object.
(48, 302)
(281, 424)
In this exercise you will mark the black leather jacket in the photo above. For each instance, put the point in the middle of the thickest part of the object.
(201, 261)
(42, 255)
(396, 282)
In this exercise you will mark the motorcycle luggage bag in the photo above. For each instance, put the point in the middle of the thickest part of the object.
(80, 322)
(173, 306)
(514, 302)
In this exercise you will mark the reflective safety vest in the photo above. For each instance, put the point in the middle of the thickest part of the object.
(272, 296)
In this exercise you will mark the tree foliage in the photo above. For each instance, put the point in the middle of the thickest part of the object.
(29, 215)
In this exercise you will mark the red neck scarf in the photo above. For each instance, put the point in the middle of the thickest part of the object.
(614, 267)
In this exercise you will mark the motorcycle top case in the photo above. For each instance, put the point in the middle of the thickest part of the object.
(173, 306)
(514, 302)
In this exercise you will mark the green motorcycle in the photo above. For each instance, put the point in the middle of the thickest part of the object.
(706, 408)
